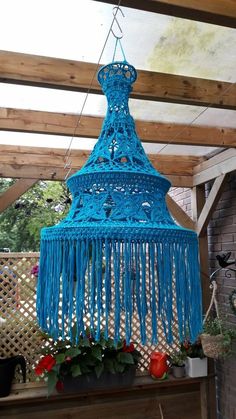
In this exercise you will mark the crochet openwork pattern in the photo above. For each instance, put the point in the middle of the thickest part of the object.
(118, 250)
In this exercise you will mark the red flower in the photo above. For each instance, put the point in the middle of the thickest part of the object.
(186, 344)
(46, 363)
(59, 386)
(68, 359)
(35, 270)
(129, 348)
(38, 370)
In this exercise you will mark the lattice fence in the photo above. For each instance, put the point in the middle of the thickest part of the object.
(20, 333)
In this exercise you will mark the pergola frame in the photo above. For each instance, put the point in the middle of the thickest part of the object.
(29, 164)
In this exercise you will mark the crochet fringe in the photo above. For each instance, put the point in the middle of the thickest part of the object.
(104, 278)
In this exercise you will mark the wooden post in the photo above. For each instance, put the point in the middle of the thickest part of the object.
(198, 202)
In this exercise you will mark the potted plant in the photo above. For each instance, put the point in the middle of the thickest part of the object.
(178, 363)
(196, 362)
(7, 372)
(90, 363)
(217, 338)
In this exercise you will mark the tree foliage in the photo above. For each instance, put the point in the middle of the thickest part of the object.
(45, 204)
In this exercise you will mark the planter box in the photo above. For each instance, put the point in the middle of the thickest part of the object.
(7, 372)
(196, 367)
(106, 380)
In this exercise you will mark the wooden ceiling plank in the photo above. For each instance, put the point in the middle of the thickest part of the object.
(166, 164)
(49, 173)
(218, 12)
(215, 160)
(48, 163)
(75, 75)
(179, 214)
(15, 191)
(210, 204)
(218, 165)
(90, 126)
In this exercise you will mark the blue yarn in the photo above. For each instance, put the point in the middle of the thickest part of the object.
(153, 293)
(107, 286)
(118, 250)
(116, 256)
(143, 292)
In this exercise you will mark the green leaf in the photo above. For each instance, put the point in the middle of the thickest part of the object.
(85, 342)
(99, 369)
(120, 345)
(88, 360)
(72, 352)
(52, 380)
(109, 366)
(110, 343)
(97, 353)
(60, 358)
(102, 342)
(125, 358)
(120, 367)
(75, 370)
(85, 369)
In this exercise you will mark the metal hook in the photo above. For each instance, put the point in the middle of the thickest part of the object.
(117, 9)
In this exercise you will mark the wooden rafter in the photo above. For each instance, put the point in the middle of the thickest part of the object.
(45, 163)
(179, 214)
(210, 204)
(48, 173)
(220, 164)
(74, 75)
(90, 126)
(218, 12)
(14, 192)
(58, 173)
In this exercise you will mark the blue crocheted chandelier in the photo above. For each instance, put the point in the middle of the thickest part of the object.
(118, 251)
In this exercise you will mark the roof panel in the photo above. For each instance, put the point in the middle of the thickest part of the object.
(56, 141)
(52, 100)
(78, 29)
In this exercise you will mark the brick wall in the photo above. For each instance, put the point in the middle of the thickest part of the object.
(221, 238)
(183, 197)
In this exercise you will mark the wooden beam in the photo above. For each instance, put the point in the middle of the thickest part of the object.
(14, 192)
(218, 165)
(90, 126)
(45, 163)
(198, 202)
(210, 204)
(75, 75)
(55, 158)
(179, 214)
(217, 12)
(49, 173)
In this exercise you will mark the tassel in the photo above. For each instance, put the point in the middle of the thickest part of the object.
(146, 278)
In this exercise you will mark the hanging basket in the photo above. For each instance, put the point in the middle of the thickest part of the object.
(214, 346)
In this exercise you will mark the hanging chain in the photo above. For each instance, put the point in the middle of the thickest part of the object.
(213, 302)
(67, 157)
(115, 11)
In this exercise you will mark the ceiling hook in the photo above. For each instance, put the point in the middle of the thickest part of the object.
(115, 11)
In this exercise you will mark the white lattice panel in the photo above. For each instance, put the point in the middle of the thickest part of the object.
(20, 333)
